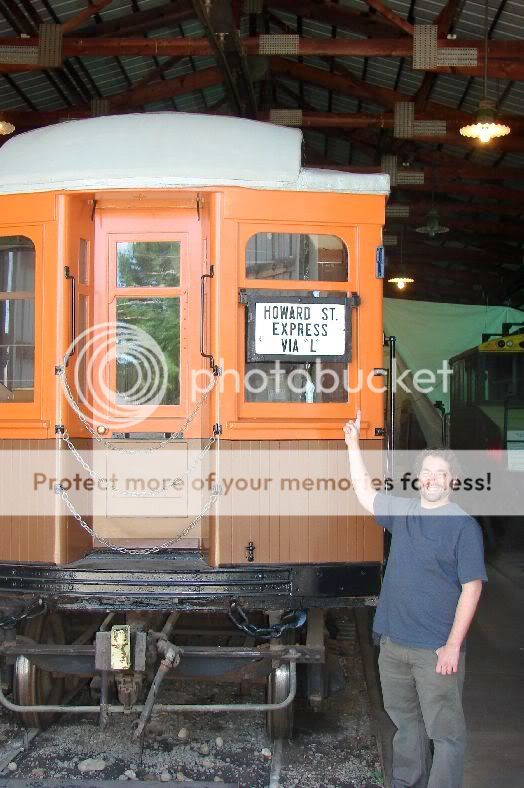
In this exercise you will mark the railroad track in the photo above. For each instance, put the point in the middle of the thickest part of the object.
(320, 748)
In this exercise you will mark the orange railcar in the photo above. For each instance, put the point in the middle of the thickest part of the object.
(179, 226)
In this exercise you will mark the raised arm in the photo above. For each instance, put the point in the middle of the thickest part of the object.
(360, 478)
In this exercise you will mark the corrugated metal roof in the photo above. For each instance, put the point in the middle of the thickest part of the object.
(108, 76)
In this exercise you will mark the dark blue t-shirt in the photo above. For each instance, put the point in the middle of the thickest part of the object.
(433, 551)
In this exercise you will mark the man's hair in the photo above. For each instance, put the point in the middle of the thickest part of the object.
(447, 455)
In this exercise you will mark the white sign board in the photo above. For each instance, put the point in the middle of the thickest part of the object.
(292, 329)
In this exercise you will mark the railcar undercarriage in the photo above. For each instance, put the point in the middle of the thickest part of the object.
(140, 621)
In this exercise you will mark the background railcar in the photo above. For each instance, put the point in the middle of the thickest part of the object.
(180, 227)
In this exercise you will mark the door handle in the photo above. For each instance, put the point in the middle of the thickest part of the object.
(203, 353)
(69, 275)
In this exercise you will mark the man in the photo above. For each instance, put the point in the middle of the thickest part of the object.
(431, 589)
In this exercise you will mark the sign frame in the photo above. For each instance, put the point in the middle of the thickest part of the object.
(252, 297)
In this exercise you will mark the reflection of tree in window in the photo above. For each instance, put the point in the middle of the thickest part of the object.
(148, 264)
(17, 319)
(296, 256)
(160, 318)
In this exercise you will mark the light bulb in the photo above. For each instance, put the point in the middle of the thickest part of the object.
(6, 127)
(484, 134)
(401, 284)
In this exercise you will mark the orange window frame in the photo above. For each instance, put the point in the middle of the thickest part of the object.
(282, 411)
(29, 411)
(180, 292)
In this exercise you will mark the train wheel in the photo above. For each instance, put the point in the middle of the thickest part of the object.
(33, 686)
(279, 723)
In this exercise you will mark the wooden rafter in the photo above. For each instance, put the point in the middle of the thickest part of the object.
(332, 13)
(390, 16)
(172, 13)
(505, 58)
(76, 21)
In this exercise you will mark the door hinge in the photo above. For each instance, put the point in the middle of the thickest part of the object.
(217, 429)
(355, 300)
(199, 204)
(59, 429)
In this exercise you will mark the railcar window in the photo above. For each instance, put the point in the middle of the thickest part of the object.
(17, 319)
(282, 381)
(504, 377)
(148, 264)
(296, 256)
(160, 318)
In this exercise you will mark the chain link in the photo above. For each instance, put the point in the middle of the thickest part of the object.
(61, 372)
(135, 550)
(66, 438)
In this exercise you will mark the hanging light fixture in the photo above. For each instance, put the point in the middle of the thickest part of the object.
(432, 226)
(486, 127)
(6, 127)
(401, 279)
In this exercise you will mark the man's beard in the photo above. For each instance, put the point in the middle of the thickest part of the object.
(434, 492)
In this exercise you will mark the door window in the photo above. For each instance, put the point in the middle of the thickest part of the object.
(147, 276)
(160, 318)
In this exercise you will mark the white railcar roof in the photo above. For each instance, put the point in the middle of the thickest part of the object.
(168, 150)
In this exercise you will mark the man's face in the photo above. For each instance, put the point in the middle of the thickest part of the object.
(435, 480)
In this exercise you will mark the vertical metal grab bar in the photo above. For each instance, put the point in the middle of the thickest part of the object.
(391, 342)
(68, 275)
(203, 353)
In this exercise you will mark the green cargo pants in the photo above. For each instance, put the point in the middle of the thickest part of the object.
(424, 705)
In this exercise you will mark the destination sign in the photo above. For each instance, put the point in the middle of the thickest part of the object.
(299, 328)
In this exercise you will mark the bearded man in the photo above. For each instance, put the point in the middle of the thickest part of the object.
(430, 592)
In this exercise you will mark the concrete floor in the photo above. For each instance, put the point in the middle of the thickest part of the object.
(494, 689)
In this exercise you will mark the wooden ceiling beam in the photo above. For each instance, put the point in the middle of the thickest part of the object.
(348, 85)
(462, 169)
(510, 231)
(427, 251)
(336, 14)
(444, 22)
(390, 16)
(172, 13)
(425, 290)
(416, 268)
(508, 52)
(455, 207)
(449, 187)
(76, 21)
(359, 120)
(168, 88)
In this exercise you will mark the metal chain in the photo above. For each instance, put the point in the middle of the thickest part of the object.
(135, 550)
(66, 438)
(36, 607)
(293, 619)
(61, 372)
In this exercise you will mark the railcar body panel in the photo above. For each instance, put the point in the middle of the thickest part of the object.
(98, 229)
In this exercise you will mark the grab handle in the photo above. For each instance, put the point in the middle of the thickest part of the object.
(203, 353)
(68, 275)
(391, 343)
